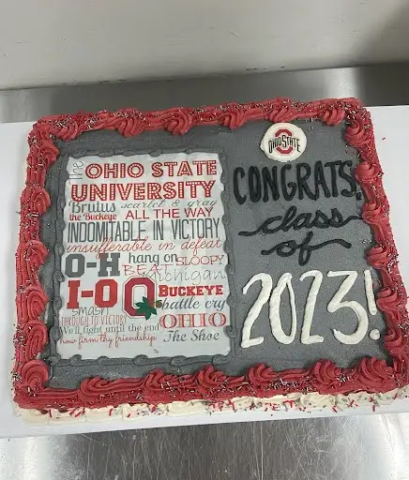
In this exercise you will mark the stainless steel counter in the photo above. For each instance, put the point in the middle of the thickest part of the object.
(359, 448)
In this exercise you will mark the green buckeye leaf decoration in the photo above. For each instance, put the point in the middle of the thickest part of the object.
(145, 308)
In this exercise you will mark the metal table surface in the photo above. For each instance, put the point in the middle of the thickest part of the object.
(359, 448)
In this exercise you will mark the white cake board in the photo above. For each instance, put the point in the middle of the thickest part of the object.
(391, 130)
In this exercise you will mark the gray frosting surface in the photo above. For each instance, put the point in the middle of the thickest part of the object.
(237, 149)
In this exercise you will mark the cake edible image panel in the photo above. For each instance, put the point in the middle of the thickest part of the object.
(144, 261)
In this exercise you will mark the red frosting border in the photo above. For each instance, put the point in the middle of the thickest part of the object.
(370, 374)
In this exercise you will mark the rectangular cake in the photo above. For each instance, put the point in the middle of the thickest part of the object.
(224, 258)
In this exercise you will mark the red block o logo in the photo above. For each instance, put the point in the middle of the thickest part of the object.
(284, 131)
(129, 291)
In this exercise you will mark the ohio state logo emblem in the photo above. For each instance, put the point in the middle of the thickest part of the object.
(284, 142)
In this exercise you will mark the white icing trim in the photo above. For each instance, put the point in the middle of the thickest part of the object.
(306, 337)
(375, 334)
(275, 320)
(369, 292)
(254, 312)
(336, 303)
(295, 401)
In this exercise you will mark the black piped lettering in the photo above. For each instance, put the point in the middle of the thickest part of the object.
(238, 172)
(254, 184)
(320, 181)
(290, 189)
(270, 184)
(303, 174)
(348, 177)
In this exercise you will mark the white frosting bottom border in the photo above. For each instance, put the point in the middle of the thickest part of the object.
(295, 401)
